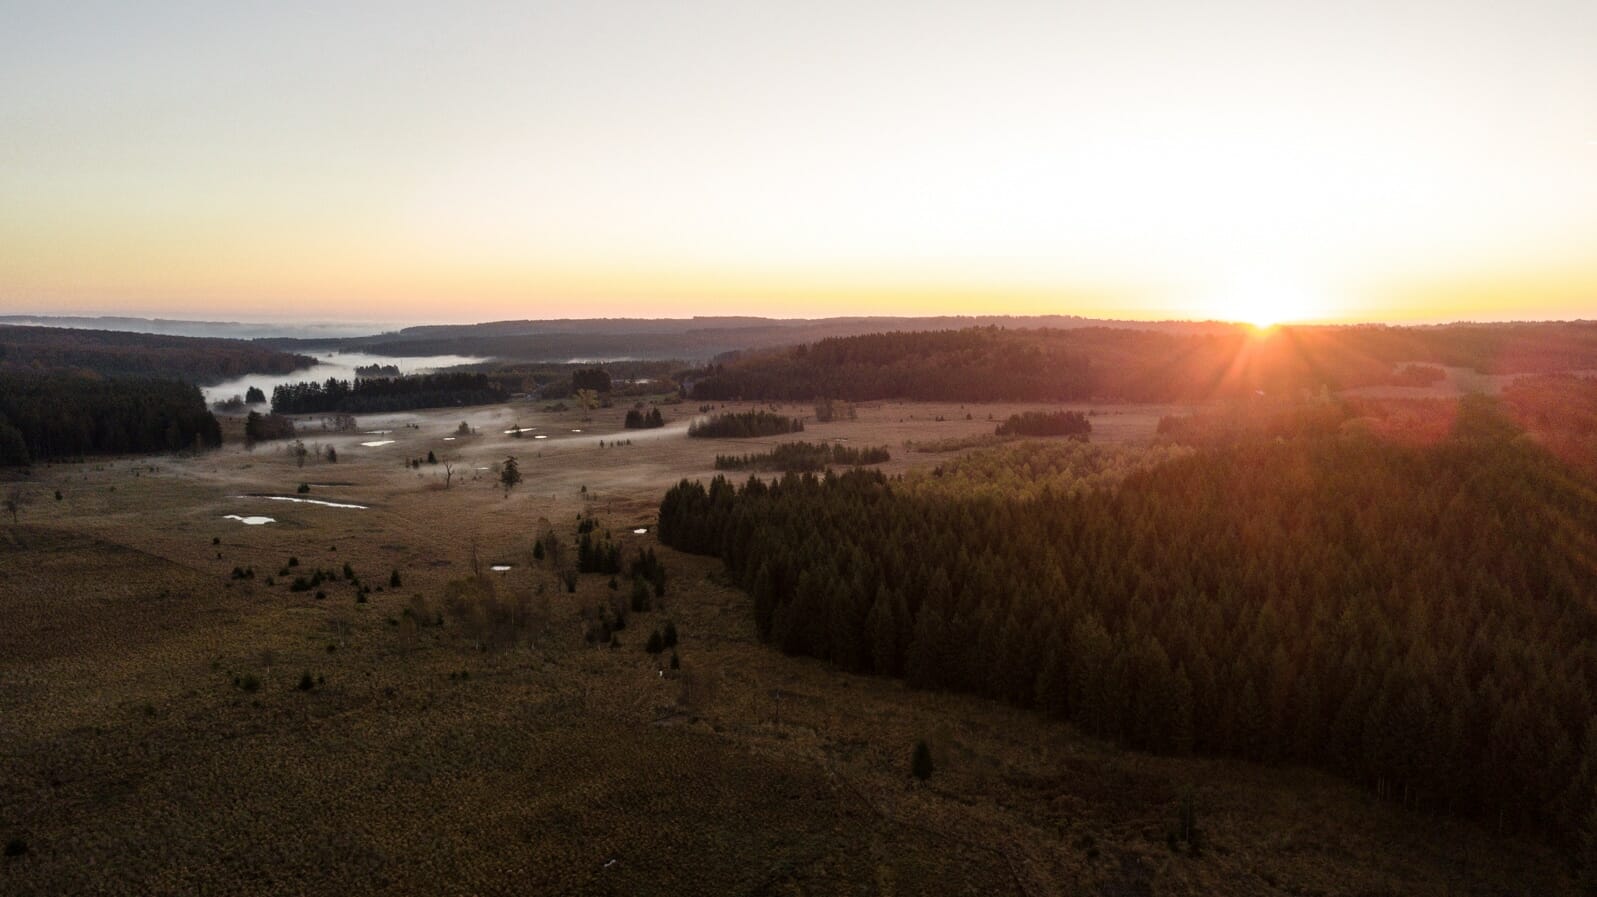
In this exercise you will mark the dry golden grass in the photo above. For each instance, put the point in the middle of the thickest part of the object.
(132, 764)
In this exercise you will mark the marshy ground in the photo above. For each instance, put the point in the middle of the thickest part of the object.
(155, 736)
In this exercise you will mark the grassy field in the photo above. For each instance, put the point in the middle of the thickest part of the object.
(154, 737)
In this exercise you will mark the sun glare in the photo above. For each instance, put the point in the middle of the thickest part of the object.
(1264, 305)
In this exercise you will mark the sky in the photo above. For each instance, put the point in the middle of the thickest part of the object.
(1260, 160)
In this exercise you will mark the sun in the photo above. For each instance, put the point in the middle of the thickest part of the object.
(1264, 304)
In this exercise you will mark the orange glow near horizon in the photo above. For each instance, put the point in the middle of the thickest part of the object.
(1244, 161)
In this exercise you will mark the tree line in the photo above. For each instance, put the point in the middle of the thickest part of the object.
(1418, 618)
(799, 457)
(1046, 423)
(46, 417)
(993, 364)
(118, 354)
(641, 420)
(744, 425)
(381, 394)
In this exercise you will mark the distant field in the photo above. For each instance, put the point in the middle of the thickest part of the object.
(133, 764)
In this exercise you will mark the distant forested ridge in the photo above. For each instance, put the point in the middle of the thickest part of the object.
(1419, 616)
(683, 338)
(117, 354)
(55, 416)
(993, 364)
(380, 394)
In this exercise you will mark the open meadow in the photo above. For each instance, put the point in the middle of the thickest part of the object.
(177, 716)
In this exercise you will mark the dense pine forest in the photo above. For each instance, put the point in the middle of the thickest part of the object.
(799, 457)
(118, 354)
(992, 364)
(637, 419)
(382, 394)
(745, 425)
(1417, 615)
(47, 417)
(1046, 423)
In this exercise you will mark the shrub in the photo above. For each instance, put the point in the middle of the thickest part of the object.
(306, 683)
(920, 764)
(393, 580)
(16, 847)
(304, 488)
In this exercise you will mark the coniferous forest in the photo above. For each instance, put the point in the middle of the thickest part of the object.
(118, 354)
(46, 417)
(799, 457)
(745, 425)
(384, 394)
(996, 364)
(643, 420)
(1419, 616)
(1046, 423)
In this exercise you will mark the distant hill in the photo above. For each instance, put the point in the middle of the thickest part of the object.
(700, 339)
(179, 327)
(1072, 364)
(119, 354)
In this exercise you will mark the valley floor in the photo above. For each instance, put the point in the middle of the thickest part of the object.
(133, 760)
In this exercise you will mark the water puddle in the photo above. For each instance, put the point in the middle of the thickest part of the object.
(640, 531)
(449, 439)
(540, 437)
(501, 568)
(378, 432)
(514, 430)
(249, 521)
(377, 443)
(576, 431)
(309, 501)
